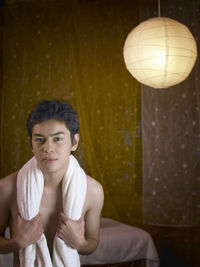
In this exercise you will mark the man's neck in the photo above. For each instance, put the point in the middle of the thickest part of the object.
(53, 179)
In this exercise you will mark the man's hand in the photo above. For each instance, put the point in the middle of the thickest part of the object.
(27, 232)
(72, 232)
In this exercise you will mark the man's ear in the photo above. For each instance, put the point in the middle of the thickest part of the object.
(75, 142)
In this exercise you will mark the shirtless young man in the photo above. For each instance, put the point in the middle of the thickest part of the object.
(53, 130)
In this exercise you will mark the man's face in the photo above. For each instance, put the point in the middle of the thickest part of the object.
(51, 143)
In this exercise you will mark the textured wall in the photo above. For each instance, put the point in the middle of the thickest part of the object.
(171, 135)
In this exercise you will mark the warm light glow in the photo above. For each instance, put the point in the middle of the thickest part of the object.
(161, 59)
(160, 52)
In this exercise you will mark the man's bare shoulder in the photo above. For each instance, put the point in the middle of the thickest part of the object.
(95, 190)
(94, 184)
(8, 185)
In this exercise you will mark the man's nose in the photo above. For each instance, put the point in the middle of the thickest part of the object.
(48, 146)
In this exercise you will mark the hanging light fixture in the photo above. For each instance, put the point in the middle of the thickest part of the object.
(160, 52)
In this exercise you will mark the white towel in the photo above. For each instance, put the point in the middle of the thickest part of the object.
(30, 184)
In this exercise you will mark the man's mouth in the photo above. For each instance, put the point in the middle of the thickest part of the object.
(49, 159)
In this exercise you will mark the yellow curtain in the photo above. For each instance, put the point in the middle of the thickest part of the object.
(72, 50)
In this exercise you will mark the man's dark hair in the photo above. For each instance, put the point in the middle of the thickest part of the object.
(53, 109)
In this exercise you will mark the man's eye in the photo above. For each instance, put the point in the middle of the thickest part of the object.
(39, 140)
(58, 138)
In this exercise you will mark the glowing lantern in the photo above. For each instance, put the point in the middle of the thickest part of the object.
(160, 52)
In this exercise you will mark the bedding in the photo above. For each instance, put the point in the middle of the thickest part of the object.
(122, 243)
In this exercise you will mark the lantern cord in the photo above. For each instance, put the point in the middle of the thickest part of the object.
(158, 8)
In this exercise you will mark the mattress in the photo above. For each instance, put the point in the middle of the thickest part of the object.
(121, 243)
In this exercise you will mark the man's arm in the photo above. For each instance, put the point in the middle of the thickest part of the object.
(92, 217)
(83, 234)
(24, 232)
(7, 188)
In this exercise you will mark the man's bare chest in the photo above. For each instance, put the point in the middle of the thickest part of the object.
(50, 208)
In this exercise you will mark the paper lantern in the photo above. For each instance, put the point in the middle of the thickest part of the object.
(160, 52)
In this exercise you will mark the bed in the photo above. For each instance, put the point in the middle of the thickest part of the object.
(120, 243)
